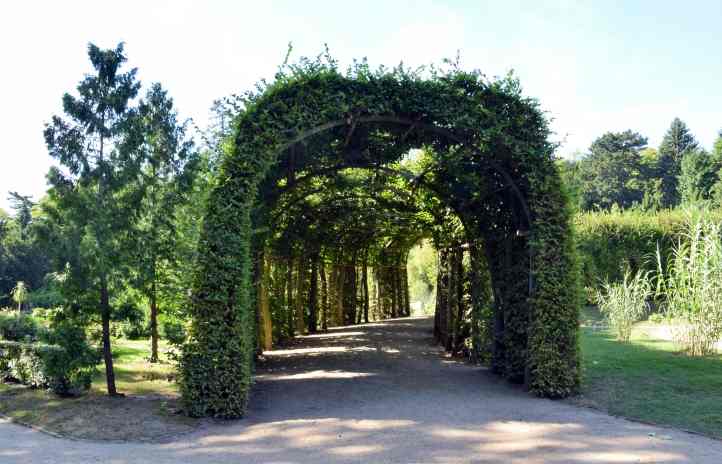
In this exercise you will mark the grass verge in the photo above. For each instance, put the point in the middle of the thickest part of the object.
(649, 380)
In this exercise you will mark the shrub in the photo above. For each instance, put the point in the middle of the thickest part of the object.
(624, 303)
(18, 326)
(71, 369)
(174, 331)
(23, 362)
(133, 320)
(43, 315)
(692, 285)
(65, 365)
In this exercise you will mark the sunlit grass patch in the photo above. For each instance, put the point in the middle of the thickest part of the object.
(649, 380)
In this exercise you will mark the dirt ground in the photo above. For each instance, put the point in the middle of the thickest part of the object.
(381, 393)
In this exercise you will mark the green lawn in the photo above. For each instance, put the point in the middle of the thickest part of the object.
(134, 375)
(649, 380)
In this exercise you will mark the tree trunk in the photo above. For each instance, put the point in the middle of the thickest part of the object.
(377, 290)
(300, 302)
(107, 351)
(289, 297)
(405, 282)
(393, 277)
(313, 298)
(480, 296)
(460, 319)
(265, 324)
(442, 293)
(350, 292)
(338, 303)
(153, 320)
(324, 296)
(365, 277)
(452, 302)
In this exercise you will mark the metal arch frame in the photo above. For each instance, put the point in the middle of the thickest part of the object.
(414, 124)
(418, 125)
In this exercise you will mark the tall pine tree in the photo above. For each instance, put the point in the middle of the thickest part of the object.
(166, 182)
(95, 205)
(677, 142)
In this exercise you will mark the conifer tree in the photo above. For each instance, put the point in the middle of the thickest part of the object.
(95, 205)
(677, 142)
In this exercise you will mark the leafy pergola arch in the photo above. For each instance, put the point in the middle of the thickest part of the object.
(493, 165)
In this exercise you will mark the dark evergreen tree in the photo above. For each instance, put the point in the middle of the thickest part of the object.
(612, 173)
(95, 204)
(677, 142)
(23, 206)
(166, 182)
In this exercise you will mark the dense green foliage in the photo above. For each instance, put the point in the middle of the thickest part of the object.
(619, 172)
(118, 244)
(677, 143)
(17, 326)
(492, 169)
(98, 144)
(613, 172)
(23, 257)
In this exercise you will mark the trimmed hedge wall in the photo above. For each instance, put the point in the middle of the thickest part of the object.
(608, 240)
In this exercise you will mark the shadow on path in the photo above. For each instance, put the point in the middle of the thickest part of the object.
(383, 393)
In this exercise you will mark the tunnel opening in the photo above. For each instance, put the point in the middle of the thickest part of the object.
(342, 175)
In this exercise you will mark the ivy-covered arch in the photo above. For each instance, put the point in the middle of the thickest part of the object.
(491, 163)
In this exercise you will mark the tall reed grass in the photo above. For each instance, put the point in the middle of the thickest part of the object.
(624, 303)
(691, 285)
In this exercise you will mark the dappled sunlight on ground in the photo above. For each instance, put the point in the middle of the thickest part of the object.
(319, 374)
(331, 335)
(306, 351)
(384, 393)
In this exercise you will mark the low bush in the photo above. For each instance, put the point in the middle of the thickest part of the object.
(63, 362)
(18, 326)
(174, 331)
(44, 315)
(70, 369)
(132, 319)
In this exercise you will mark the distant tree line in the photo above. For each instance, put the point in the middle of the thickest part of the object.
(621, 170)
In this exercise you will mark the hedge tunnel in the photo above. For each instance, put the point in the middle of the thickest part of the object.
(321, 157)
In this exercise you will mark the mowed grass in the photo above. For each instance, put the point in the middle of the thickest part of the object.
(649, 380)
(146, 413)
(134, 375)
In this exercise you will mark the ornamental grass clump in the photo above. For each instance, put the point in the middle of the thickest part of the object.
(692, 285)
(625, 303)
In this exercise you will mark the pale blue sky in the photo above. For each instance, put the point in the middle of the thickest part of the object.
(595, 66)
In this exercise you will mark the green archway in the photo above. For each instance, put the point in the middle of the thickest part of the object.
(492, 165)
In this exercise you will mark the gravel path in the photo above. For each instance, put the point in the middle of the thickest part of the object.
(382, 393)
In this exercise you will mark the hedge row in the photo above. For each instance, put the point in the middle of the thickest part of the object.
(607, 241)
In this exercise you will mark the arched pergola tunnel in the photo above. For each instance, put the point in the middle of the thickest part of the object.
(487, 186)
